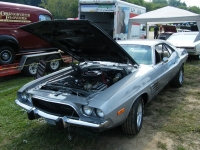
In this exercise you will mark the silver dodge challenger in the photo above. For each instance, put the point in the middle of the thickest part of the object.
(108, 83)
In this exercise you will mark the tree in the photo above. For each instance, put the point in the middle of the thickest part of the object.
(163, 2)
(194, 9)
(149, 6)
(136, 2)
(61, 9)
(35, 2)
(17, 1)
(183, 4)
(174, 3)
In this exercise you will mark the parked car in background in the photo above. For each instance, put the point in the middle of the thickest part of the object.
(187, 40)
(15, 42)
(183, 30)
(110, 85)
(168, 31)
(21, 51)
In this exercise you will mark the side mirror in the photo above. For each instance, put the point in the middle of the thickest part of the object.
(165, 59)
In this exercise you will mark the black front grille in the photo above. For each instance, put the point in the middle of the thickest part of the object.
(54, 108)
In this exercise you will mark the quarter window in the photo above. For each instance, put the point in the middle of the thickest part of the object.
(166, 52)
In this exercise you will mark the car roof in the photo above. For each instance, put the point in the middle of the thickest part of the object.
(147, 42)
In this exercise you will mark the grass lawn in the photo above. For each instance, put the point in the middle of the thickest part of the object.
(171, 121)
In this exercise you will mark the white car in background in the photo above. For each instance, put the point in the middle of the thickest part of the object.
(187, 40)
(183, 30)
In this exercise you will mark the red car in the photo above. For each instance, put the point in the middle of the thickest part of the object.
(168, 31)
(15, 42)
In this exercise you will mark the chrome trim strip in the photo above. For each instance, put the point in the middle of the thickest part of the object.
(26, 107)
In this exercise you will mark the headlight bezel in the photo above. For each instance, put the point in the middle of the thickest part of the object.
(95, 112)
(99, 113)
(24, 96)
(85, 108)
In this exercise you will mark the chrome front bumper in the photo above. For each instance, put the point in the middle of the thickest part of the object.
(60, 122)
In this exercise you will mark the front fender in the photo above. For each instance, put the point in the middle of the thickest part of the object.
(7, 40)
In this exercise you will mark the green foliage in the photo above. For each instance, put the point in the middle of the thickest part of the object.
(194, 9)
(174, 3)
(28, 2)
(161, 145)
(61, 9)
(136, 2)
(163, 2)
(149, 6)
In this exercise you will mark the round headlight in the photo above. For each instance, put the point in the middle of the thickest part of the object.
(87, 110)
(99, 113)
(29, 97)
(24, 95)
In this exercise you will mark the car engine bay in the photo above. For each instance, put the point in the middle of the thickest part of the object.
(86, 81)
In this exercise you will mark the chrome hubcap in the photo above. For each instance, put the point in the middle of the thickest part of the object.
(33, 68)
(6, 56)
(181, 77)
(54, 64)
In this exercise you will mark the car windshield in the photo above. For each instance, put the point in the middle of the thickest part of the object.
(185, 37)
(142, 54)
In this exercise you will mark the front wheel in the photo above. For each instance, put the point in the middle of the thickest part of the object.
(133, 123)
(7, 55)
(177, 81)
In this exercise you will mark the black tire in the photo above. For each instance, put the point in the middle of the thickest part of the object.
(30, 68)
(177, 81)
(53, 63)
(7, 55)
(133, 123)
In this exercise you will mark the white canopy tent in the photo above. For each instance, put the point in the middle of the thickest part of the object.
(166, 14)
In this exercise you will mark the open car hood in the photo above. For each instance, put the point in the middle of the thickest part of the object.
(168, 28)
(82, 39)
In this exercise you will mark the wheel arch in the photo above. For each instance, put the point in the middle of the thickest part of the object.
(6, 40)
(145, 98)
(183, 67)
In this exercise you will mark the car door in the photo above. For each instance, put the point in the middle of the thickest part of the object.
(162, 69)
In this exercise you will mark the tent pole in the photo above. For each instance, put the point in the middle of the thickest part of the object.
(147, 30)
(198, 25)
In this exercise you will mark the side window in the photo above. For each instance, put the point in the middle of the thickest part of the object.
(44, 17)
(158, 53)
(166, 51)
(162, 50)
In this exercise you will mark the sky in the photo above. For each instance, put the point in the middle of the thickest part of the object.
(188, 2)
(192, 2)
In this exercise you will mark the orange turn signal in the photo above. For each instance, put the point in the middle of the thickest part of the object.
(120, 111)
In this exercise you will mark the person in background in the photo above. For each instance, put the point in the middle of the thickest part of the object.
(156, 29)
(160, 28)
